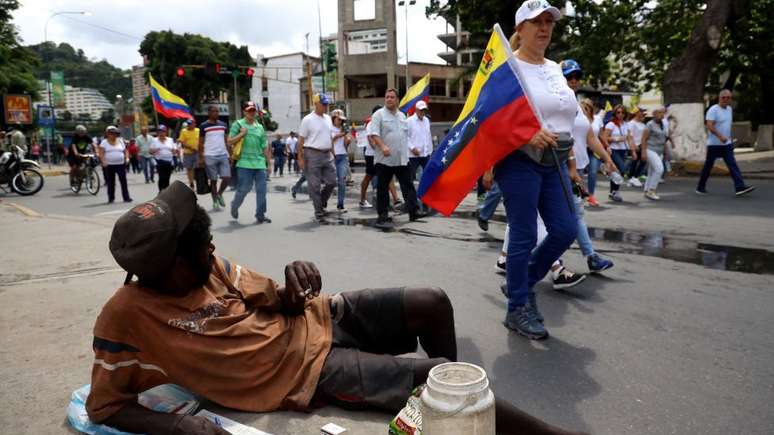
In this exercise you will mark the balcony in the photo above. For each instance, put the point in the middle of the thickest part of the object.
(450, 39)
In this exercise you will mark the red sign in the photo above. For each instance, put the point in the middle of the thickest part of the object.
(18, 109)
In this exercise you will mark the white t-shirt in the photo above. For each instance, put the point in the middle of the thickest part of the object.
(550, 94)
(362, 141)
(723, 119)
(316, 131)
(419, 136)
(114, 154)
(580, 129)
(618, 132)
(214, 138)
(291, 143)
(636, 128)
(338, 144)
(164, 149)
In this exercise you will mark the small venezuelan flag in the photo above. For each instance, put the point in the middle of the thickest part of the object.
(419, 91)
(496, 120)
(168, 104)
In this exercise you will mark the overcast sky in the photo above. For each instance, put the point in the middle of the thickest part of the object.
(269, 27)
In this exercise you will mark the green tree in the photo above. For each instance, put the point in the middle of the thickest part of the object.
(17, 63)
(167, 51)
(80, 71)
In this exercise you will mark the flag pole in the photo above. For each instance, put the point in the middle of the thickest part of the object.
(561, 180)
(155, 113)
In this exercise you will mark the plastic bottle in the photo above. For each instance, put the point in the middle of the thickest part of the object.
(457, 400)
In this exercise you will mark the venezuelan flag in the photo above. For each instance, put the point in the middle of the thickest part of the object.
(496, 120)
(419, 91)
(168, 104)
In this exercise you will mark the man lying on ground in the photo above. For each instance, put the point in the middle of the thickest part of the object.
(240, 340)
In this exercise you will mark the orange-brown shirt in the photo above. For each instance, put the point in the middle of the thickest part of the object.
(226, 341)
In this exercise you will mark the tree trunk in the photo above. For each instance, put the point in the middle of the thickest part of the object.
(687, 74)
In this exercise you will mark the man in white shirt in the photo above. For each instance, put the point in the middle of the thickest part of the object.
(720, 145)
(315, 155)
(290, 146)
(420, 139)
(389, 132)
(636, 127)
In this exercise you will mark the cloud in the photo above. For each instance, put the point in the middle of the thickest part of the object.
(269, 27)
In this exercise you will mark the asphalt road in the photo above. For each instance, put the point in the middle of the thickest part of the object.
(664, 343)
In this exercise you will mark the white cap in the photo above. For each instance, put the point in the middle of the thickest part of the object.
(532, 8)
(421, 105)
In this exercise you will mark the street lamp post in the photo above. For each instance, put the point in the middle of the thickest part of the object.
(405, 6)
(48, 79)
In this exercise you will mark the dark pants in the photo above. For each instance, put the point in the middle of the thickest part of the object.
(164, 168)
(637, 166)
(415, 163)
(110, 179)
(135, 163)
(292, 162)
(529, 188)
(385, 174)
(279, 164)
(725, 152)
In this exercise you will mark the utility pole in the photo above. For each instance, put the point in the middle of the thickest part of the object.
(236, 99)
(322, 55)
(406, 4)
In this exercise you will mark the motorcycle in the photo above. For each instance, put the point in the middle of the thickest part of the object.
(86, 173)
(21, 175)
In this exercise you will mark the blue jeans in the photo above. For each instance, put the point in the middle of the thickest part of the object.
(619, 158)
(246, 179)
(593, 169)
(342, 163)
(527, 188)
(148, 167)
(491, 201)
(725, 152)
(279, 164)
(584, 240)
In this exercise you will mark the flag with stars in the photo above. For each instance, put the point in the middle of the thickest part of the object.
(496, 120)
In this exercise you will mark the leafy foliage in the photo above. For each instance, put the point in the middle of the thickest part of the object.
(167, 51)
(80, 71)
(17, 63)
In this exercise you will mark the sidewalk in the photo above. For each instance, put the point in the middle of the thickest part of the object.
(754, 165)
(51, 290)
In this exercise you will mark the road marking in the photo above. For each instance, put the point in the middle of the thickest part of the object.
(25, 210)
(107, 213)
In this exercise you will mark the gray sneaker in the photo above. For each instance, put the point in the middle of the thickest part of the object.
(523, 321)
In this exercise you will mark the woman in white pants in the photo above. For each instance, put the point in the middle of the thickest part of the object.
(653, 141)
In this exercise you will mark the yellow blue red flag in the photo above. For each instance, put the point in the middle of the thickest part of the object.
(419, 91)
(168, 104)
(496, 120)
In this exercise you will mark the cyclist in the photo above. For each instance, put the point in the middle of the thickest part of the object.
(79, 150)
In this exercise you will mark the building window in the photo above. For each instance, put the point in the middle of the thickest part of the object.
(438, 87)
(265, 103)
(367, 41)
(467, 84)
(365, 10)
(264, 84)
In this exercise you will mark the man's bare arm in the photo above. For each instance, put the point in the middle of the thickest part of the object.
(137, 419)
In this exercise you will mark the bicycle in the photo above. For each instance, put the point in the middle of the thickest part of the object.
(87, 173)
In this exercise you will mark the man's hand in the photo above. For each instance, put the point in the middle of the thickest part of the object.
(386, 150)
(488, 179)
(610, 165)
(415, 151)
(302, 280)
(192, 425)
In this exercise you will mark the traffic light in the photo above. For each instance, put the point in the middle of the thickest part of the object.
(249, 72)
(212, 69)
(329, 58)
(181, 72)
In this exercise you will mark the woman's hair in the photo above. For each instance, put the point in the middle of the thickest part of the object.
(588, 108)
(615, 118)
(514, 40)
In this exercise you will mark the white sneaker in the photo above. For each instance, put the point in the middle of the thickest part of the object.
(634, 182)
(650, 194)
(365, 204)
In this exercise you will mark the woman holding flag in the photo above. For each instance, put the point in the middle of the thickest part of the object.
(530, 181)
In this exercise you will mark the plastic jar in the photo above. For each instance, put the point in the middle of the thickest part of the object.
(457, 400)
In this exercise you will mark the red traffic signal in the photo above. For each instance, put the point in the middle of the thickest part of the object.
(250, 72)
(180, 72)
(217, 68)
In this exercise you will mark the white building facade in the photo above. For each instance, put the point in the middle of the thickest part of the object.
(275, 87)
(79, 101)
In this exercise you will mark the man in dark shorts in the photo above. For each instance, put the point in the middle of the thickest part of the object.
(239, 339)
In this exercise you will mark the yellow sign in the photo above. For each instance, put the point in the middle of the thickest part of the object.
(18, 109)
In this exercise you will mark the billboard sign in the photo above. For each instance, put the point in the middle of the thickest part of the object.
(18, 109)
